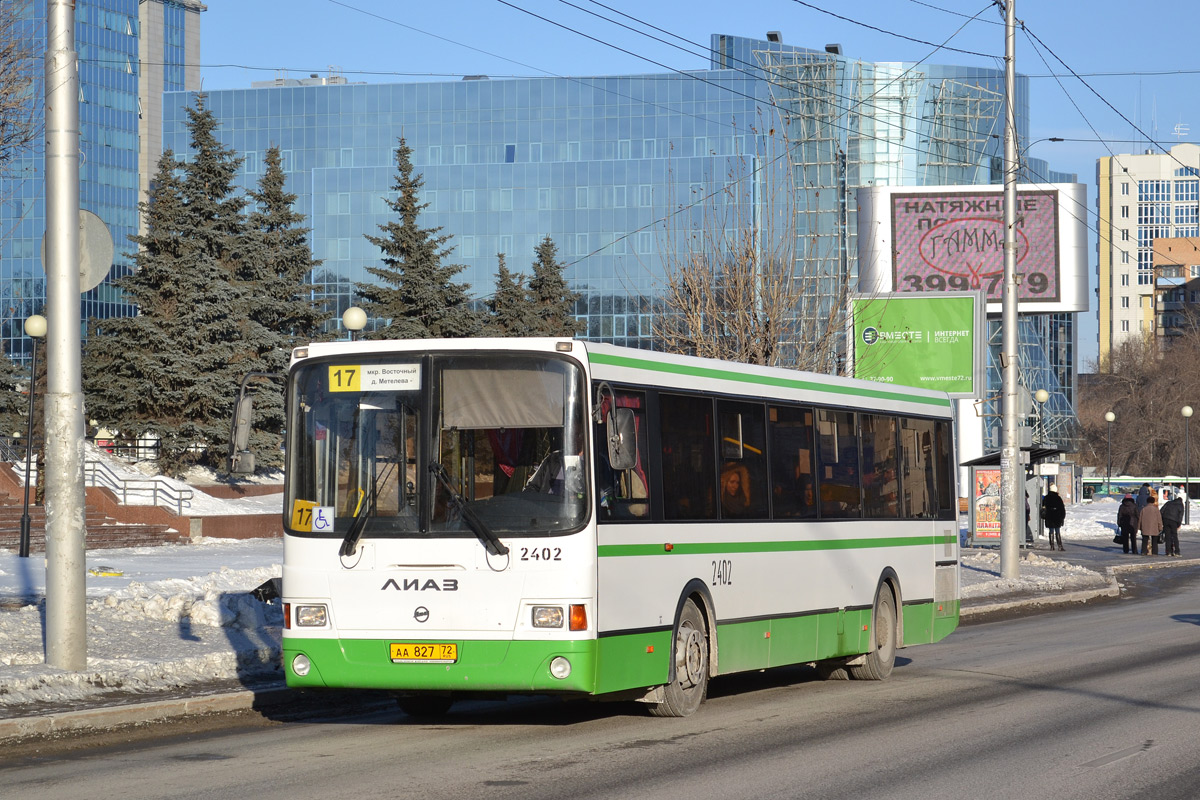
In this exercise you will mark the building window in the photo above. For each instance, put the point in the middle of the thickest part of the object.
(1124, 302)
(618, 197)
(1124, 212)
(460, 154)
(1124, 326)
(581, 244)
(347, 157)
(1124, 280)
(544, 199)
(1187, 191)
(510, 153)
(435, 154)
(535, 152)
(468, 247)
(251, 162)
(1124, 256)
(644, 242)
(581, 197)
(1125, 188)
(468, 200)
(1125, 235)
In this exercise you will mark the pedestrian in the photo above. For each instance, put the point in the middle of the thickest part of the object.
(1150, 521)
(1054, 513)
(1142, 496)
(1172, 518)
(1127, 524)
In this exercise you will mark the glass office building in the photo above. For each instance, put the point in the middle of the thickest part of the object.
(615, 169)
(126, 49)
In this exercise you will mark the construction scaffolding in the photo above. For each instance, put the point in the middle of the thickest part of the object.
(964, 119)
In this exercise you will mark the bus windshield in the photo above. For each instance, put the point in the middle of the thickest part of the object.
(409, 444)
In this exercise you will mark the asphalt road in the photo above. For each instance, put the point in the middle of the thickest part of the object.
(1096, 702)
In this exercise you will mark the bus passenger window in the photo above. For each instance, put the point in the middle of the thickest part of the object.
(688, 457)
(881, 474)
(622, 494)
(744, 460)
(793, 471)
(837, 445)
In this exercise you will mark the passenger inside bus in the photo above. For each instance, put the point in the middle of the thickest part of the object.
(735, 491)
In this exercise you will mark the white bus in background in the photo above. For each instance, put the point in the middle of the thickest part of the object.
(482, 517)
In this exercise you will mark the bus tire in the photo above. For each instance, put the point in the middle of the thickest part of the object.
(683, 695)
(424, 706)
(877, 664)
(833, 671)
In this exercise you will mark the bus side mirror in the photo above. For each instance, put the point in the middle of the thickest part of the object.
(622, 439)
(241, 463)
(241, 460)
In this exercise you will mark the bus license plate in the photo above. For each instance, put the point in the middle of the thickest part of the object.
(424, 652)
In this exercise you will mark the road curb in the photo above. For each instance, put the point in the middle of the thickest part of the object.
(134, 713)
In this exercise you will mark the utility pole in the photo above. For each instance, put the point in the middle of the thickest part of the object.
(1012, 523)
(66, 631)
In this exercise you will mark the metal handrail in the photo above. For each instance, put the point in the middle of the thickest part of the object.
(161, 492)
(97, 473)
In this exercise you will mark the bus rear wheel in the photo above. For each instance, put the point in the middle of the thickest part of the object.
(683, 695)
(877, 665)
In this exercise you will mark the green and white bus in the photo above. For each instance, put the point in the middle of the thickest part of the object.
(477, 517)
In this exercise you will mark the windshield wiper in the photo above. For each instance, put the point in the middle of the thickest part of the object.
(357, 526)
(482, 532)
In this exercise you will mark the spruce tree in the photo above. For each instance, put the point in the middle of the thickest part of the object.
(274, 267)
(554, 302)
(512, 312)
(416, 296)
(14, 397)
(172, 370)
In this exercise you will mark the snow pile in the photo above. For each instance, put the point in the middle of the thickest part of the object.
(147, 635)
(980, 575)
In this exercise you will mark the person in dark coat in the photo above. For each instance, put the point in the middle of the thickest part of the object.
(1144, 494)
(1054, 513)
(1127, 524)
(1150, 521)
(1172, 518)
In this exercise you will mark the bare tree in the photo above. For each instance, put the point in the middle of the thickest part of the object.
(20, 124)
(730, 288)
(1145, 384)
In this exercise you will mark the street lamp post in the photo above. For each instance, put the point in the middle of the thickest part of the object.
(354, 319)
(35, 328)
(1187, 464)
(1109, 417)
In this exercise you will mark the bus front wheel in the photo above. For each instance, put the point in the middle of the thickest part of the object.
(877, 665)
(687, 691)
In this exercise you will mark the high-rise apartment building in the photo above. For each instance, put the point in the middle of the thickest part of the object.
(1142, 199)
(129, 52)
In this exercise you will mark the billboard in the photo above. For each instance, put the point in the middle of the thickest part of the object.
(934, 341)
(931, 240)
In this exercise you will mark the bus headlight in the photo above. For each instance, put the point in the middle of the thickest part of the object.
(560, 668)
(311, 616)
(301, 665)
(547, 616)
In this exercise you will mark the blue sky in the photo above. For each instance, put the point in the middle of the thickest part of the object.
(1132, 76)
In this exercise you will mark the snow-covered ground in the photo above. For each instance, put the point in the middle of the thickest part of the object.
(182, 614)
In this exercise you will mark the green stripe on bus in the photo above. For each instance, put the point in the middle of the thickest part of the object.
(764, 380)
(709, 548)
